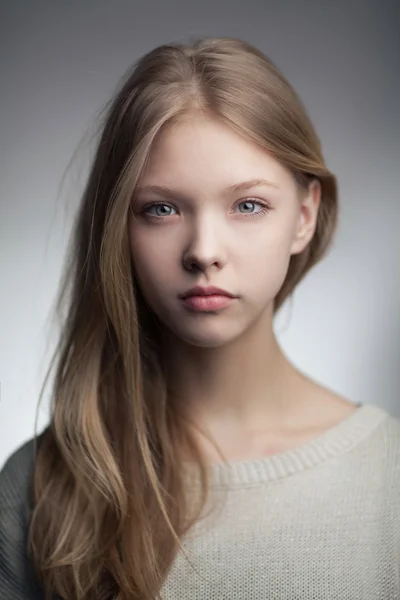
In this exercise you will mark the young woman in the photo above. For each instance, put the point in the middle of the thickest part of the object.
(186, 456)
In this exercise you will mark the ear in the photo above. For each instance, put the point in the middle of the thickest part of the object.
(307, 218)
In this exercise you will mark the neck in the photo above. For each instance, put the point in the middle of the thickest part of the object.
(241, 383)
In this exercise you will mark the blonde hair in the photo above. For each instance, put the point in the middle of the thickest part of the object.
(109, 501)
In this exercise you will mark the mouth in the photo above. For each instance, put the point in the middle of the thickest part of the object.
(207, 302)
(199, 291)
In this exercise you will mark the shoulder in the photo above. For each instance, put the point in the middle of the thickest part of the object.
(15, 475)
(385, 455)
(383, 433)
(388, 434)
(387, 430)
(17, 580)
(381, 458)
(16, 478)
(371, 435)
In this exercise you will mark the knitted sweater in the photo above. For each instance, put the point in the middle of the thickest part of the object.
(318, 522)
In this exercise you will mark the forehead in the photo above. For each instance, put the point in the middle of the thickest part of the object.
(206, 149)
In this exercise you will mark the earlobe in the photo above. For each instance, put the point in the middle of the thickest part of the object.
(308, 216)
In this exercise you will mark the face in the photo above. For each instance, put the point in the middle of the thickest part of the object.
(205, 229)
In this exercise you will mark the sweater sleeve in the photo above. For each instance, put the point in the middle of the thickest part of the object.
(17, 579)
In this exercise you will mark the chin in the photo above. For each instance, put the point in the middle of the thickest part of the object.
(205, 342)
(207, 337)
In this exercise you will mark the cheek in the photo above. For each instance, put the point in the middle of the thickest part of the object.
(151, 264)
(265, 262)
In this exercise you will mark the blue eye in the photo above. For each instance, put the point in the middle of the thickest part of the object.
(249, 203)
(159, 213)
(162, 209)
(264, 208)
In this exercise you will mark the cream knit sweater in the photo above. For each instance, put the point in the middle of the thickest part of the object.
(321, 521)
(318, 522)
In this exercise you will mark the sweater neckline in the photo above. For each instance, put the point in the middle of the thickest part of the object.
(333, 442)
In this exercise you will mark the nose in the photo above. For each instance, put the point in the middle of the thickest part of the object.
(204, 251)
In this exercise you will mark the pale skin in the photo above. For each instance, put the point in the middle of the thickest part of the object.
(226, 367)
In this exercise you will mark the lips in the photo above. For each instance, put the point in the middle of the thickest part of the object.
(210, 303)
(206, 291)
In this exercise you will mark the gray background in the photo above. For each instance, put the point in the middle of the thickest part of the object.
(61, 61)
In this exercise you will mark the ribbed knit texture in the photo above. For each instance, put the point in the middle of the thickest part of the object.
(321, 521)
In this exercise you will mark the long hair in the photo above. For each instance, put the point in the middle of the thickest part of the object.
(109, 502)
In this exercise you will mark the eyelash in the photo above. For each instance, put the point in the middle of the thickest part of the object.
(265, 208)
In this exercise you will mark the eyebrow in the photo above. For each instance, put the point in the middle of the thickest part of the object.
(243, 185)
